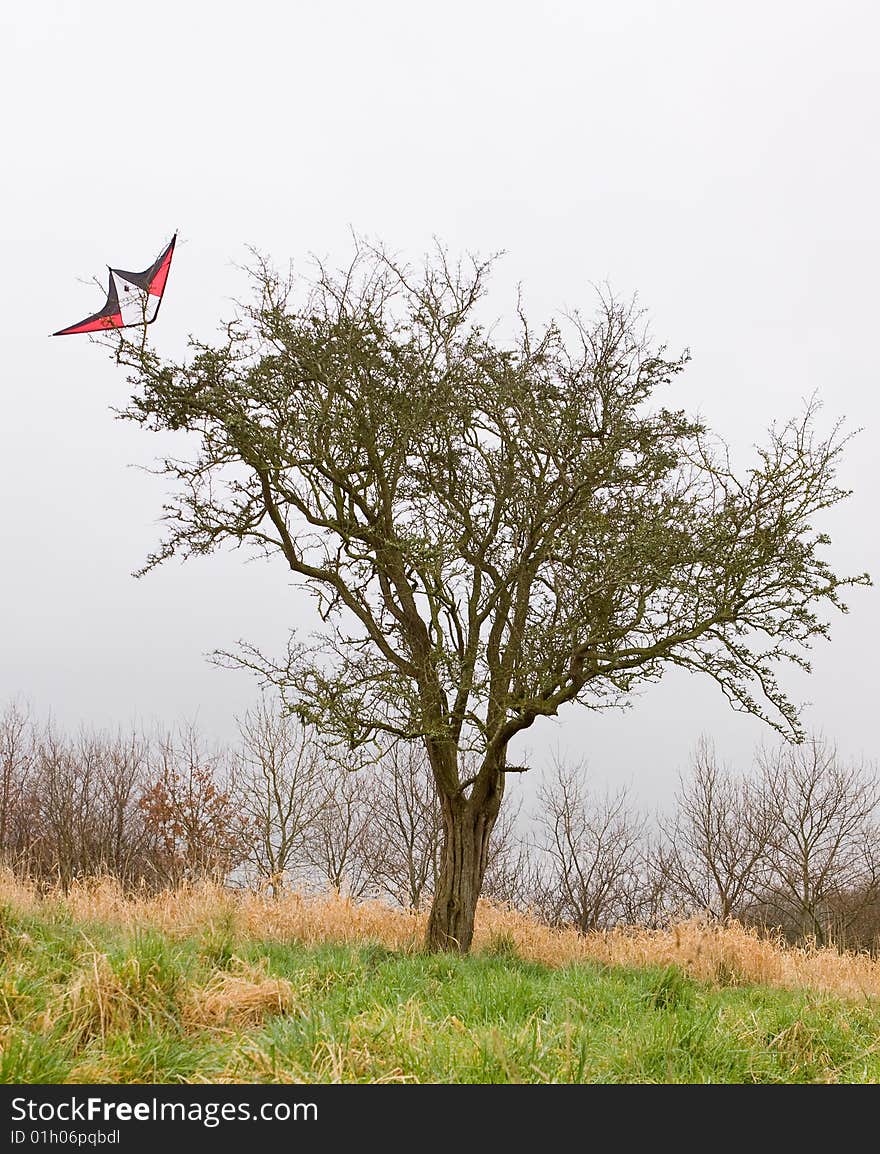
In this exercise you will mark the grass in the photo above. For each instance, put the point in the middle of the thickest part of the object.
(199, 986)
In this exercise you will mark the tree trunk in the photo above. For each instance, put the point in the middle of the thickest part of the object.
(468, 827)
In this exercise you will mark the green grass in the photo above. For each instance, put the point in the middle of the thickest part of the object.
(91, 1002)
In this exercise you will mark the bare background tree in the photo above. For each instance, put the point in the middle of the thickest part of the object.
(281, 791)
(715, 852)
(591, 844)
(85, 797)
(121, 837)
(343, 843)
(822, 848)
(16, 772)
(791, 845)
(408, 826)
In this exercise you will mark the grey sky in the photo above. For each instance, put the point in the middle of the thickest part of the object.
(721, 160)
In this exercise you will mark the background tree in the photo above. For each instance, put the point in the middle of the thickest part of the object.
(715, 856)
(17, 758)
(192, 812)
(120, 843)
(408, 825)
(74, 808)
(823, 843)
(343, 845)
(591, 844)
(493, 527)
(279, 773)
(66, 790)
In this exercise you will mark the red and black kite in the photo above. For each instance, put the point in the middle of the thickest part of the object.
(133, 298)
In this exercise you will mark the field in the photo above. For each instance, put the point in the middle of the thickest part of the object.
(205, 986)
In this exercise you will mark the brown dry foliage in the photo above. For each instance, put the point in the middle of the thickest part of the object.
(241, 996)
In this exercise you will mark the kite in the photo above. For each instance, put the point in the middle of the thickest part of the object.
(133, 298)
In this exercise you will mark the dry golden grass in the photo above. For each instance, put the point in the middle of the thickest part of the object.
(96, 1001)
(241, 996)
(721, 954)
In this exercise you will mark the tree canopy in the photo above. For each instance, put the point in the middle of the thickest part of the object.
(493, 526)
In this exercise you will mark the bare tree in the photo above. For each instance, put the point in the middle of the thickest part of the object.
(66, 786)
(715, 854)
(121, 842)
(280, 791)
(341, 845)
(69, 807)
(823, 848)
(512, 872)
(592, 844)
(492, 528)
(408, 826)
(17, 759)
(795, 846)
(646, 896)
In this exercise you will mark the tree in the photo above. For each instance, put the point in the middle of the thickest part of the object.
(122, 842)
(342, 843)
(493, 527)
(592, 845)
(17, 758)
(67, 785)
(71, 807)
(822, 852)
(717, 842)
(191, 811)
(279, 775)
(408, 825)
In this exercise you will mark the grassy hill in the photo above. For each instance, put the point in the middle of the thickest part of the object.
(205, 986)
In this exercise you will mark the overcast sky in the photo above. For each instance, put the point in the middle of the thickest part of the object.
(720, 160)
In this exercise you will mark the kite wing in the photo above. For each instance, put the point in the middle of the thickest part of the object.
(133, 298)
